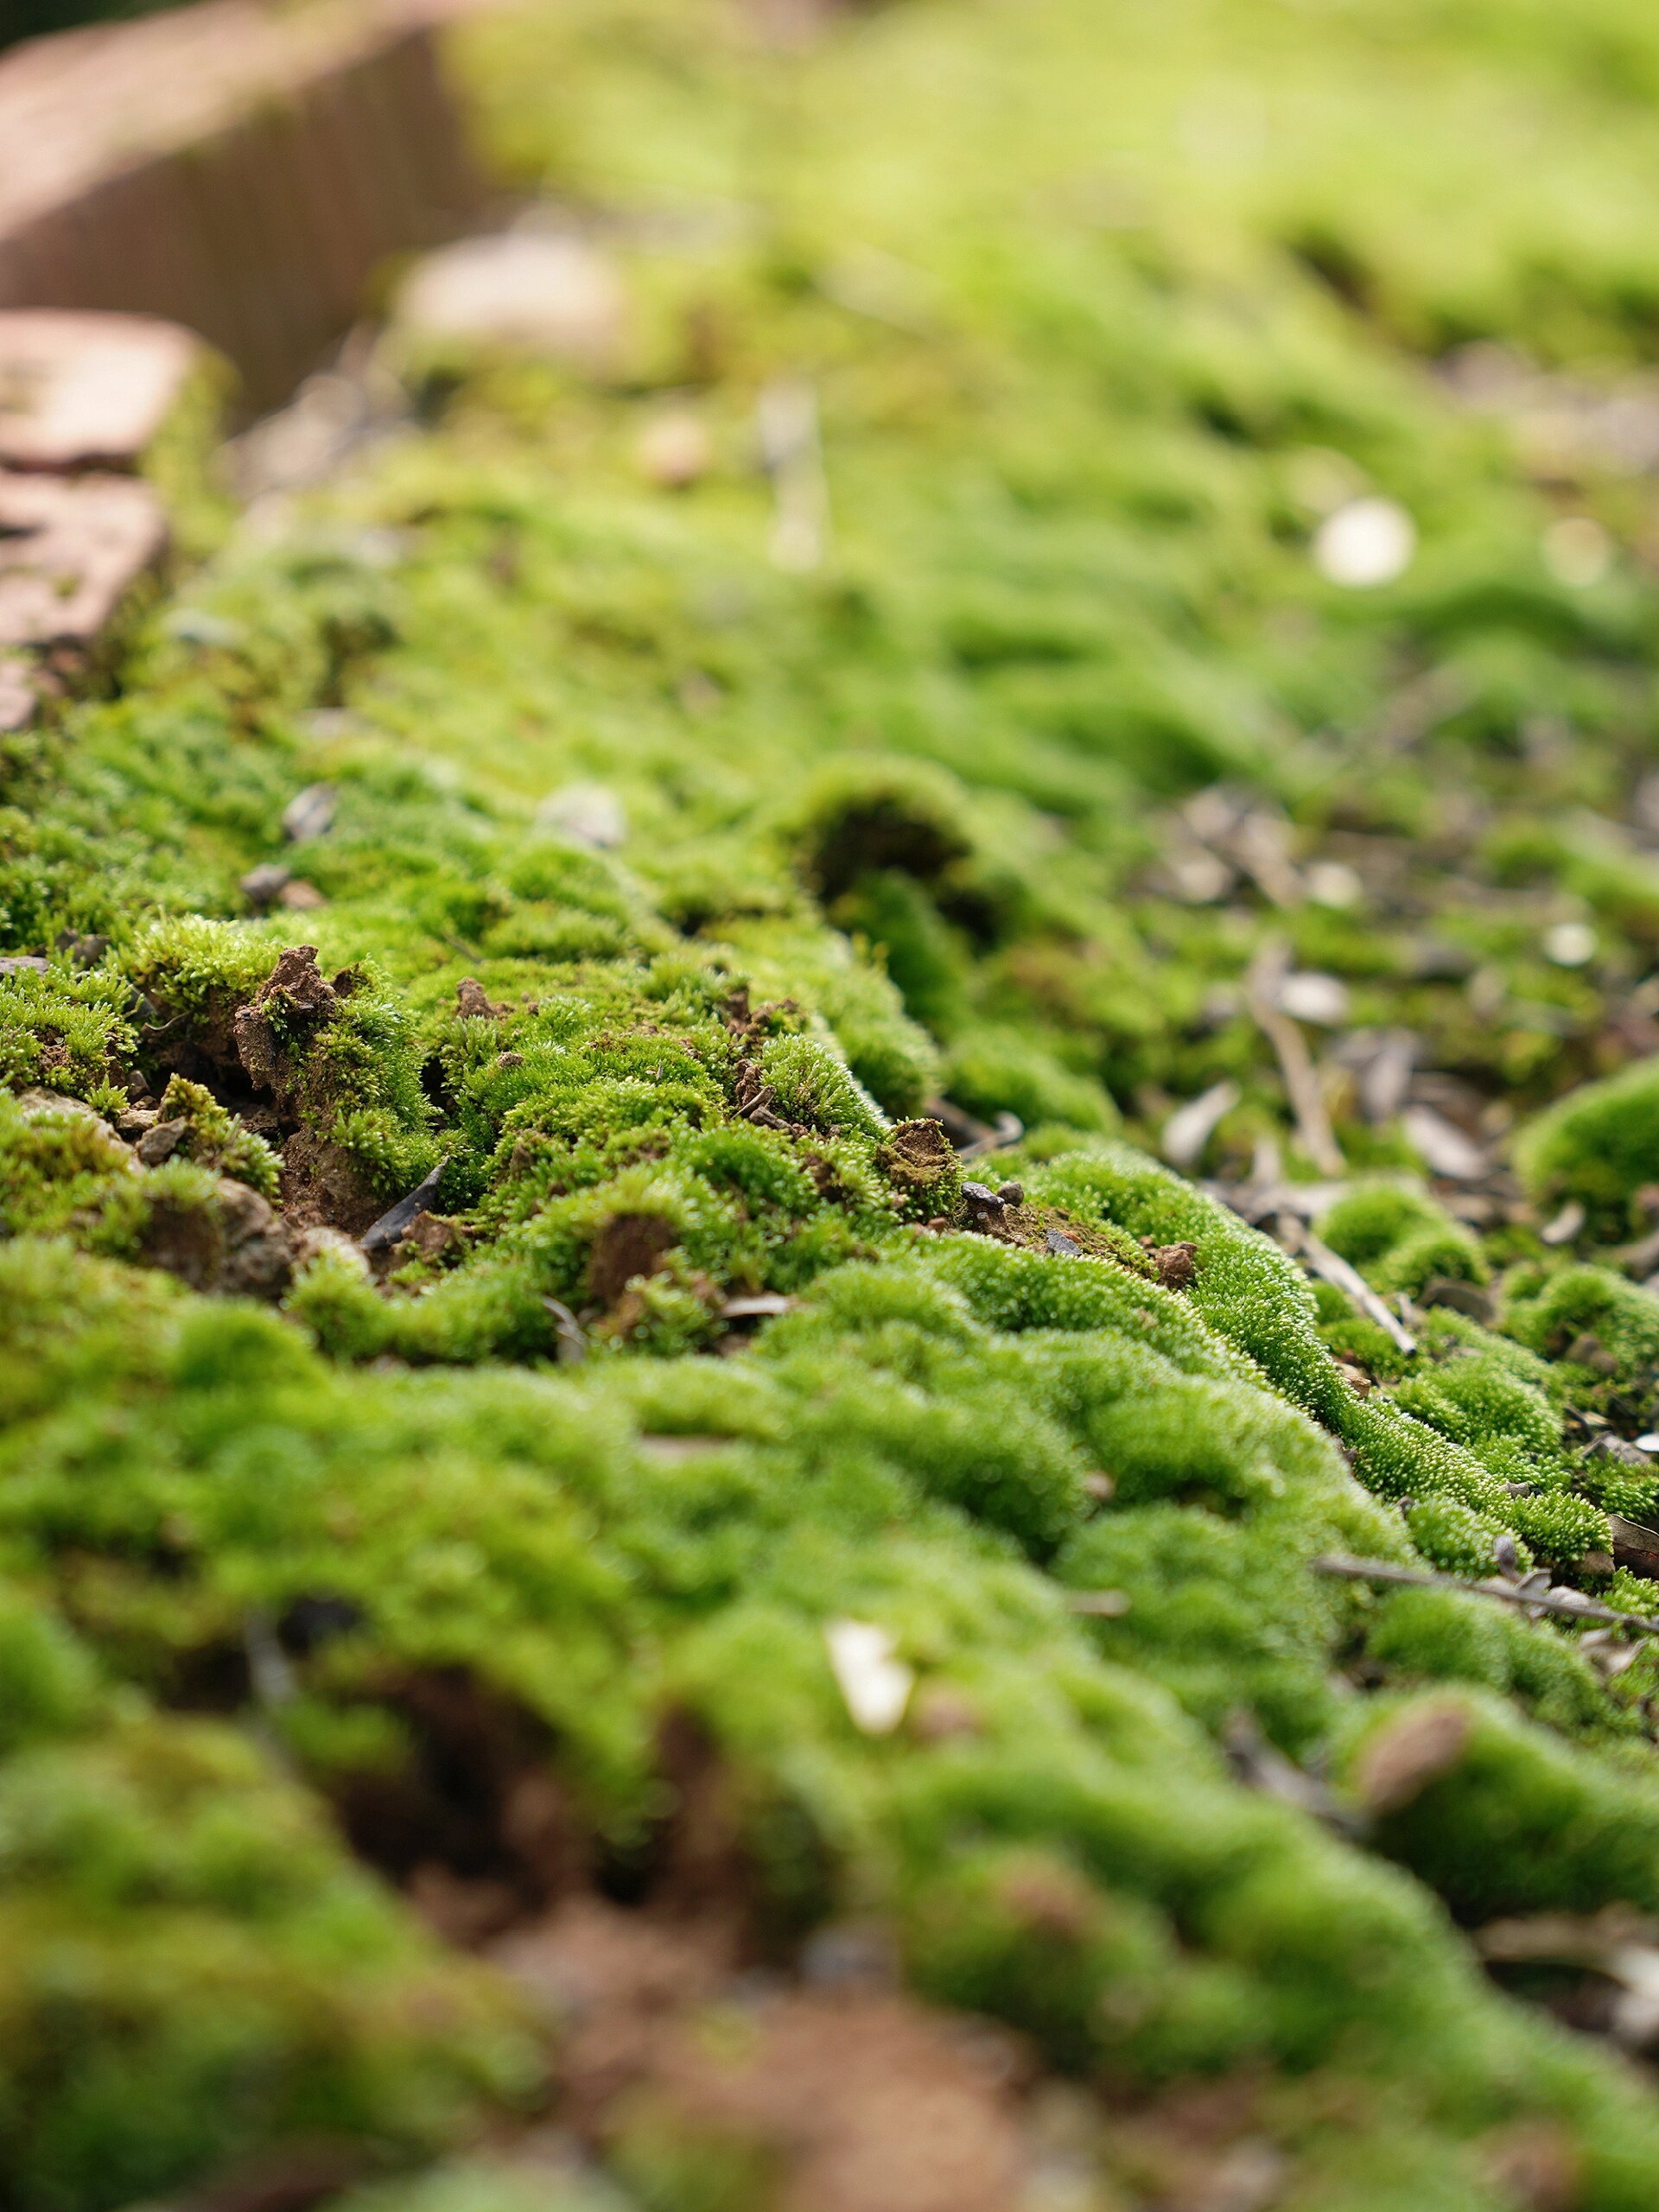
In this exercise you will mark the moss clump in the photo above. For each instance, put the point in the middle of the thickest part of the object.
(1400, 1240)
(1599, 1145)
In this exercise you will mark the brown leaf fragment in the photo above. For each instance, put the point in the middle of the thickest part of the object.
(1634, 1546)
(1405, 1757)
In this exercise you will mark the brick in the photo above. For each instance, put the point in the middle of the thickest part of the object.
(238, 169)
(20, 698)
(71, 549)
(86, 390)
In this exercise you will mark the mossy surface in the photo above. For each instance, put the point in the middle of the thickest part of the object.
(480, 1330)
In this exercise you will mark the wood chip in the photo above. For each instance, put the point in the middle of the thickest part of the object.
(1190, 1127)
(1445, 1149)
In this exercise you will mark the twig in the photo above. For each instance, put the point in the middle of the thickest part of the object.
(1330, 1267)
(1282, 1212)
(1570, 1604)
(1313, 1128)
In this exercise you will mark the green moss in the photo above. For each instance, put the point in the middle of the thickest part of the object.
(1600, 1144)
(901, 829)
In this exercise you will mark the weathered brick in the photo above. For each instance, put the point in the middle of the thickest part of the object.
(82, 390)
(71, 549)
(238, 169)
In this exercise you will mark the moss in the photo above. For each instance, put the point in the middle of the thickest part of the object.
(1599, 1145)
(64, 1033)
(702, 1343)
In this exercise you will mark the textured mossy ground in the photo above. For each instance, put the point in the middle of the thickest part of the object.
(357, 1611)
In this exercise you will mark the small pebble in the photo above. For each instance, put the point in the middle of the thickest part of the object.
(1571, 945)
(1334, 884)
(1012, 1194)
(1310, 997)
(310, 813)
(263, 884)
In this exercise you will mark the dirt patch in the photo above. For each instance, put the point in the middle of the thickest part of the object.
(475, 1825)
(855, 2100)
(294, 999)
(472, 1000)
(629, 1244)
(920, 1162)
(325, 1185)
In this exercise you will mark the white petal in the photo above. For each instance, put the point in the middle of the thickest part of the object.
(875, 1685)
